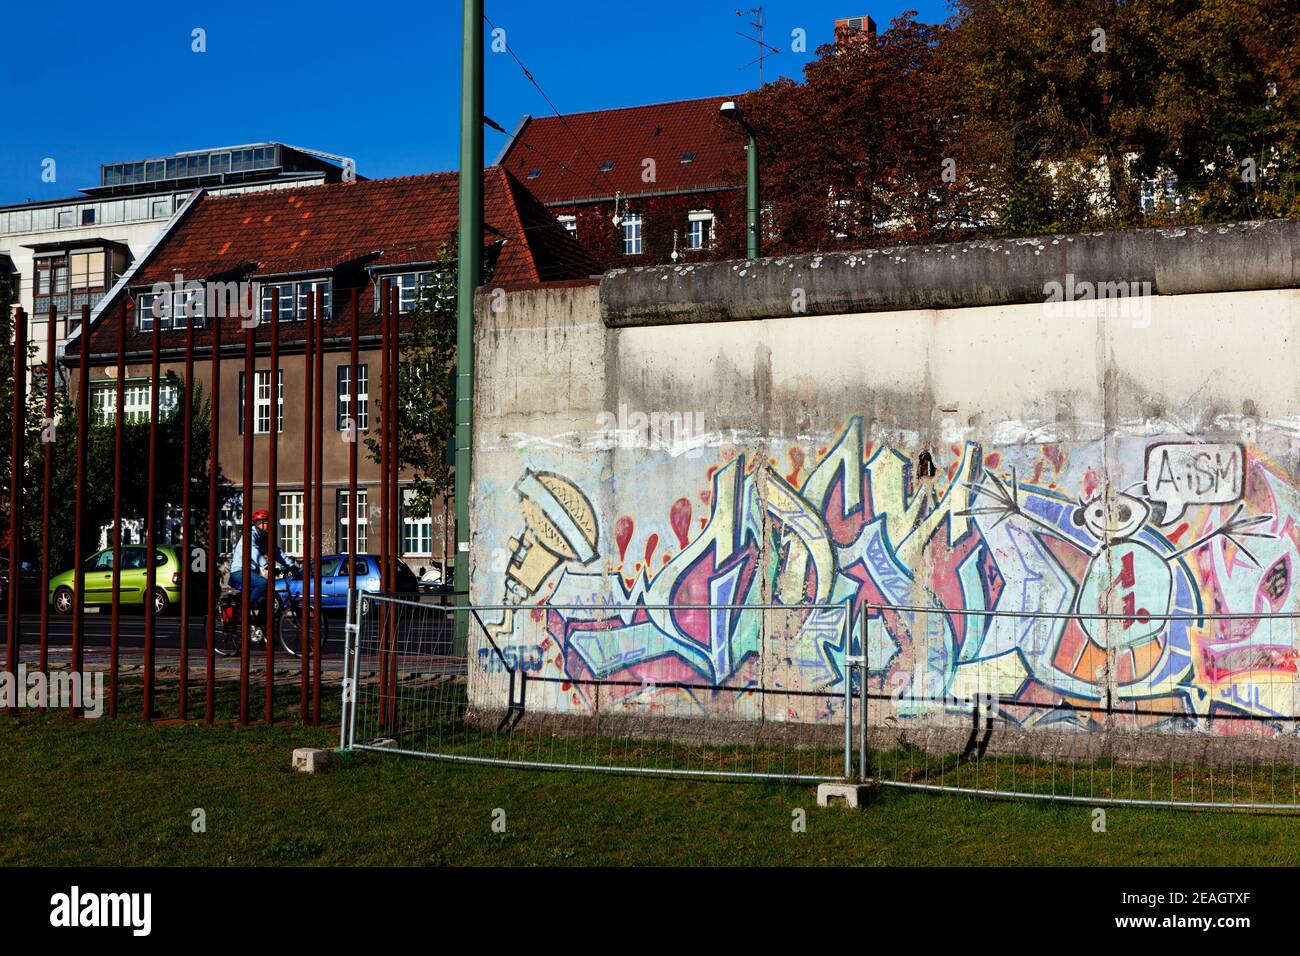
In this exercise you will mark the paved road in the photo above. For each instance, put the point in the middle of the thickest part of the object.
(98, 631)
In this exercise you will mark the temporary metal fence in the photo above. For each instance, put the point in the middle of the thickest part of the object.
(36, 641)
(410, 688)
(1158, 721)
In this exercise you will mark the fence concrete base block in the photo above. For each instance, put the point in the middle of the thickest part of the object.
(314, 760)
(852, 795)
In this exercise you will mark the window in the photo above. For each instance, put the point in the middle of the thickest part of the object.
(135, 401)
(699, 231)
(230, 527)
(343, 405)
(607, 165)
(88, 216)
(262, 402)
(87, 269)
(186, 304)
(632, 234)
(308, 289)
(160, 208)
(67, 218)
(410, 287)
(570, 223)
(534, 172)
(286, 301)
(291, 522)
(417, 533)
(294, 297)
(342, 510)
(687, 157)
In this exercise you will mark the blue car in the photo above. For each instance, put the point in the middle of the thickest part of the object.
(334, 581)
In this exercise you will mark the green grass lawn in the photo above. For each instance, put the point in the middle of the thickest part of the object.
(122, 793)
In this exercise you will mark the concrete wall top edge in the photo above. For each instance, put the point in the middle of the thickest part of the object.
(1214, 257)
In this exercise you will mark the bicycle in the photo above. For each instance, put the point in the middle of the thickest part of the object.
(287, 609)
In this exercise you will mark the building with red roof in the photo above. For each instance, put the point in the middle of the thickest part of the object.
(673, 175)
(342, 244)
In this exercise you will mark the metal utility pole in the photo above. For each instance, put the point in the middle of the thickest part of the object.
(469, 268)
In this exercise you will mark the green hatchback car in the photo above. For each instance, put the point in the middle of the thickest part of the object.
(134, 580)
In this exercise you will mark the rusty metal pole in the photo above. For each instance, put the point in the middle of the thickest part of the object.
(246, 541)
(119, 424)
(51, 344)
(214, 518)
(305, 628)
(385, 299)
(394, 494)
(14, 607)
(318, 440)
(187, 410)
(273, 496)
(79, 521)
(354, 434)
(151, 516)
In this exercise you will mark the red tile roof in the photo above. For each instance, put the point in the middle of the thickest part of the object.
(664, 132)
(406, 220)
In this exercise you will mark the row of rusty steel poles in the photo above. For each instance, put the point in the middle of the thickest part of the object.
(313, 497)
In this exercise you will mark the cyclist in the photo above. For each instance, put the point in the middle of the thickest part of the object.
(260, 554)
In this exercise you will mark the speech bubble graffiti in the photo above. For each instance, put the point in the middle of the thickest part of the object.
(1179, 474)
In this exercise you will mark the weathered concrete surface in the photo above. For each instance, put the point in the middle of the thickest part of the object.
(1137, 456)
(1228, 257)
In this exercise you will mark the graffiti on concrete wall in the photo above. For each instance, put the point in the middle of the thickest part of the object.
(982, 577)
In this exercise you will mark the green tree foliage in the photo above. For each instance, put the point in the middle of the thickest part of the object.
(426, 389)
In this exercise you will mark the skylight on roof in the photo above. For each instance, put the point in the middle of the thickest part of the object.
(607, 165)
(534, 172)
(687, 157)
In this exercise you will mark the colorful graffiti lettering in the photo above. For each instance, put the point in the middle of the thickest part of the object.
(872, 559)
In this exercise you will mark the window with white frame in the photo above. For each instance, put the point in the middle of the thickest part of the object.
(136, 399)
(343, 511)
(417, 533)
(262, 402)
(410, 287)
(186, 305)
(294, 297)
(343, 405)
(631, 225)
(229, 527)
(570, 223)
(699, 229)
(291, 522)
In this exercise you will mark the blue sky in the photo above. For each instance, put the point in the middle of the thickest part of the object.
(90, 83)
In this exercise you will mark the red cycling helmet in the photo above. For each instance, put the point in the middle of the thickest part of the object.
(261, 514)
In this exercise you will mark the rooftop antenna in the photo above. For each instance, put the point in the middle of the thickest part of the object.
(765, 49)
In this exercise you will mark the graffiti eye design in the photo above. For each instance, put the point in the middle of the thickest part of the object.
(1125, 512)
(1077, 517)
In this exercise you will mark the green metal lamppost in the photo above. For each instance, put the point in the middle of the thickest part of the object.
(730, 109)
